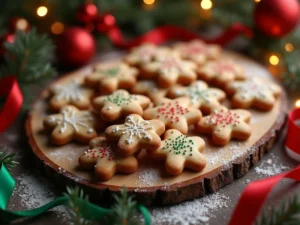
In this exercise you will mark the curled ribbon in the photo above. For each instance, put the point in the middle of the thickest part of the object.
(254, 196)
(91, 212)
(292, 144)
(9, 86)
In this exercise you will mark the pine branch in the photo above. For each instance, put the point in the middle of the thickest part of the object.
(76, 207)
(7, 159)
(288, 214)
(124, 210)
(28, 57)
(291, 77)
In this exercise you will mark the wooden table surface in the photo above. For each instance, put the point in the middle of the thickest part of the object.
(34, 189)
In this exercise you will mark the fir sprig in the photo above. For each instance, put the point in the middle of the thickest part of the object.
(7, 159)
(288, 214)
(124, 210)
(28, 57)
(76, 205)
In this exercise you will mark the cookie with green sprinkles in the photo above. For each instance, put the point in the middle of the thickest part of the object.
(180, 151)
(120, 104)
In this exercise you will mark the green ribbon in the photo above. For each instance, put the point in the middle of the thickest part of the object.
(91, 212)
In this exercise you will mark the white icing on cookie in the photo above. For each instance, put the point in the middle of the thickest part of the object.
(71, 91)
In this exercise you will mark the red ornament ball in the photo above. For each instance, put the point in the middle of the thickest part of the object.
(18, 23)
(276, 18)
(6, 38)
(103, 23)
(75, 47)
(86, 13)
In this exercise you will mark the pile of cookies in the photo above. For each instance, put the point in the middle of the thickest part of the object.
(151, 100)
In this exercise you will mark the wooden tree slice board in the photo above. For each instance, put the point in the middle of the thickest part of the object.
(151, 184)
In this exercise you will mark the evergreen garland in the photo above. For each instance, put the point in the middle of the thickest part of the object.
(7, 159)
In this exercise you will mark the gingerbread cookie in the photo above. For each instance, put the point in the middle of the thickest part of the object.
(145, 53)
(180, 151)
(108, 77)
(171, 70)
(72, 93)
(174, 114)
(150, 89)
(106, 162)
(224, 125)
(120, 104)
(204, 98)
(70, 124)
(135, 134)
(198, 51)
(253, 92)
(221, 72)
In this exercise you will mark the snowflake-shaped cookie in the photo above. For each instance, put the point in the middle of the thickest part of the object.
(72, 93)
(108, 77)
(106, 162)
(224, 125)
(221, 72)
(174, 114)
(150, 89)
(198, 51)
(120, 104)
(136, 134)
(254, 92)
(70, 124)
(180, 151)
(145, 53)
(171, 70)
(202, 97)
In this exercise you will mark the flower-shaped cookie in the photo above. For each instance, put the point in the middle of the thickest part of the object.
(106, 162)
(145, 53)
(225, 125)
(136, 134)
(202, 97)
(180, 151)
(171, 70)
(221, 72)
(109, 77)
(70, 124)
(120, 104)
(198, 51)
(71, 93)
(150, 89)
(174, 114)
(253, 92)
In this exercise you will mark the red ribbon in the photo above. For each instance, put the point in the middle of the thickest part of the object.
(292, 139)
(254, 196)
(162, 34)
(9, 86)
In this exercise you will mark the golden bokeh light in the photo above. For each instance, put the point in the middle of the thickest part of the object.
(274, 60)
(149, 2)
(206, 4)
(289, 47)
(57, 28)
(42, 11)
(256, 1)
(297, 103)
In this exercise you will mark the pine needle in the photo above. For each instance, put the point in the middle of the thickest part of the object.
(7, 159)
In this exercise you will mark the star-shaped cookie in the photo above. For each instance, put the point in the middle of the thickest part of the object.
(221, 72)
(70, 124)
(171, 70)
(145, 53)
(225, 125)
(202, 97)
(150, 89)
(253, 92)
(108, 77)
(136, 134)
(198, 51)
(180, 151)
(174, 114)
(72, 93)
(120, 104)
(106, 162)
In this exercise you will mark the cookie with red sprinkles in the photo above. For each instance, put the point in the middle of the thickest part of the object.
(101, 156)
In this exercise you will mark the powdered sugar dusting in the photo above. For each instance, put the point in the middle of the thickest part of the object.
(192, 212)
(148, 176)
(271, 167)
